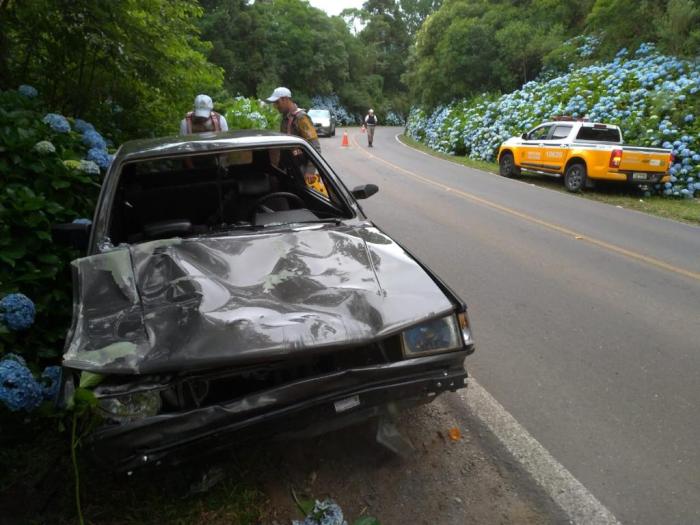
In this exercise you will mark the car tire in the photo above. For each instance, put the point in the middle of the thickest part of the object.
(333, 133)
(507, 167)
(575, 177)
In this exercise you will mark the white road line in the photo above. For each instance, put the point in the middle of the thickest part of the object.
(566, 491)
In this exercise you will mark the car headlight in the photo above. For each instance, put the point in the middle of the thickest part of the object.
(130, 407)
(438, 335)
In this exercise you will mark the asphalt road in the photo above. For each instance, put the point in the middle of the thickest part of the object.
(587, 316)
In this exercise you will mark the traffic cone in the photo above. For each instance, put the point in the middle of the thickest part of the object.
(345, 142)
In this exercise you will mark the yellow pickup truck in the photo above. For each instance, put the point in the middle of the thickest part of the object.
(583, 152)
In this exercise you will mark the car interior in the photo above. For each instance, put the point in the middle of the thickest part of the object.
(215, 192)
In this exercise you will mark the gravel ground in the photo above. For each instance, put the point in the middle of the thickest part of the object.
(444, 481)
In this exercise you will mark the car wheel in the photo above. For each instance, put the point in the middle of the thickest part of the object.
(333, 133)
(575, 177)
(507, 167)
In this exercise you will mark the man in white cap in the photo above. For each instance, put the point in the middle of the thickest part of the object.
(370, 123)
(295, 121)
(203, 118)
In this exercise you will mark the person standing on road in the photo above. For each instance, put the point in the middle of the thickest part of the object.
(203, 118)
(295, 121)
(370, 124)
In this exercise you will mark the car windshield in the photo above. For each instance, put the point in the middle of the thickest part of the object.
(319, 113)
(240, 189)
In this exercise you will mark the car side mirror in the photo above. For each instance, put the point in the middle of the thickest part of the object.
(523, 136)
(364, 192)
(73, 234)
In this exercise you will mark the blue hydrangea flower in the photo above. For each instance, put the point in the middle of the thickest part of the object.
(51, 381)
(325, 512)
(18, 388)
(89, 167)
(93, 139)
(100, 157)
(28, 91)
(57, 122)
(82, 126)
(17, 311)
(44, 147)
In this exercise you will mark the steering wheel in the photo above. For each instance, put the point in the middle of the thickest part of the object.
(278, 194)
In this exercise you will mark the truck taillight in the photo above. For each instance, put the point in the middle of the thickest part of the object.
(671, 159)
(615, 158)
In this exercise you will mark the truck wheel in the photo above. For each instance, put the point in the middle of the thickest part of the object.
(575, 177)
(507, 167)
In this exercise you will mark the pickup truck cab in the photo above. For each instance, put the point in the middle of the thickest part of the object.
(583, 152)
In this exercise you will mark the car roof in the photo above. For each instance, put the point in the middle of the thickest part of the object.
(203, 143)
(583, 123)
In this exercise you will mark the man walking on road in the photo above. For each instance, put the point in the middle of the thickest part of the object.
(370, 123)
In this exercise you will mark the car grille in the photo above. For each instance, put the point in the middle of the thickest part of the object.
(210, 389)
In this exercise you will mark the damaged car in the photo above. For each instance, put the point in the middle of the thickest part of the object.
(223, 298)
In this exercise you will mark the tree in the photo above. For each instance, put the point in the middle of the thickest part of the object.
(679, 30)
(133, 67)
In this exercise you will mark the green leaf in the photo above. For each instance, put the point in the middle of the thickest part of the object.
(84, 398)
(60, 183)
(49, 258)
(90, 379)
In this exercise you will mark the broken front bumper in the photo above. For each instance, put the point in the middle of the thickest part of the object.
(305, 407)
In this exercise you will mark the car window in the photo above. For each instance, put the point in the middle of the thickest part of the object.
(539, 133)
(207, 193)
(599, 134)
(560, 132)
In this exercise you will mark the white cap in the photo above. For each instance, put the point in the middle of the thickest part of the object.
(203, 106)
(278, 94)
(371, 110)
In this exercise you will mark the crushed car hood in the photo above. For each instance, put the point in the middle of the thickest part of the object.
(185, 304)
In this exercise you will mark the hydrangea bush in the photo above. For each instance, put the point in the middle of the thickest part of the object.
(394, 119)
(654, 98)
(332, 103)
(49, 176)
(20, 390)
(249, 113)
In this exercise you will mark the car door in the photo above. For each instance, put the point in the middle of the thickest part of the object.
(555, 151)
(532, 147)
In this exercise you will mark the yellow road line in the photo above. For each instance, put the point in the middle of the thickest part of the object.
(529, 218)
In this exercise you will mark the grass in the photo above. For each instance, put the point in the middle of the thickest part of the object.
(683, 210)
